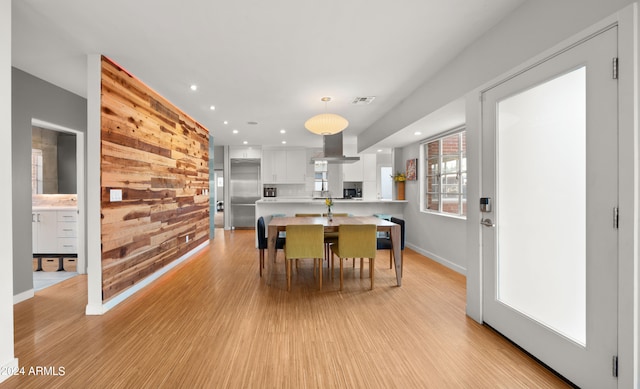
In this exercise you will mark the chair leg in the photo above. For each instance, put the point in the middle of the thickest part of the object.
(341, 260)
(331, 259)
(390, 258)
(321, 260)
(288, 267)
(372, 263)
(261, 264)
(361, 265)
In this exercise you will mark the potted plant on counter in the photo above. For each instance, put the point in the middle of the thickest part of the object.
(400, 179)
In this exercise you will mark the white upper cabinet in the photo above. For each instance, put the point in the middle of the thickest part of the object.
(353, 171)
(370, 167)
(284, 166)
(244, 152)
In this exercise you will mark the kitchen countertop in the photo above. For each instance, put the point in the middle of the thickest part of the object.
(308, 200)
(54, 208)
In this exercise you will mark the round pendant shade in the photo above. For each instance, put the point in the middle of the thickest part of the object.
(326, 124)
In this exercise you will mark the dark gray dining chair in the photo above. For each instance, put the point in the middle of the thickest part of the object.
(384, 243)
(262, 241)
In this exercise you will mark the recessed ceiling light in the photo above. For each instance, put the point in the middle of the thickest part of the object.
(417, 133)
(235, 131)
(213, 107)
(194, 87)
(379, 150)
(245, 142)
(284, 142)
(225, 122)
(283, 131)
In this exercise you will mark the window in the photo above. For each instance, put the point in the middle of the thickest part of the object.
(444, 182)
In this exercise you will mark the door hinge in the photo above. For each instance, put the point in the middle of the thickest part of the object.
(615, 68)
(615, 218)
(614, 369)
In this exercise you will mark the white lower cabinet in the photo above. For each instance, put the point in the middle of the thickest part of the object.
(54, 232)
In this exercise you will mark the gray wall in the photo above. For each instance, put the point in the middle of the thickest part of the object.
(33, 98)
(67, 167)
(441, 238)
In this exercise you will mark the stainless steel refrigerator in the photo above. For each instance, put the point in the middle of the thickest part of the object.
(244, 191)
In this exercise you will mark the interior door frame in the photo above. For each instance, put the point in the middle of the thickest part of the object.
(81, 264)
(629, 184)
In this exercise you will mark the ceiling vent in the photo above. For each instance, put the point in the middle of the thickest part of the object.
(363, 100)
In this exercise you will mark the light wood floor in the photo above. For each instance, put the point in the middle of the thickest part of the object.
(213, 323)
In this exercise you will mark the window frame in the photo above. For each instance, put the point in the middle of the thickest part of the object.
(461, 173)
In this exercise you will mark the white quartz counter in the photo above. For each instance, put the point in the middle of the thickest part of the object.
(270, 207)
(298, 200)
(53, 208)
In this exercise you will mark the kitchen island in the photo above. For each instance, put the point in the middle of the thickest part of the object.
(268, 207)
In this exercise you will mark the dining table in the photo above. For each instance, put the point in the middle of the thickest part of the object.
(279, 224)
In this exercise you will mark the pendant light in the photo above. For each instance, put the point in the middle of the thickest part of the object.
(326, 123)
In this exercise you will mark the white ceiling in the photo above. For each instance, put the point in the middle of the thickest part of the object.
(268, 62)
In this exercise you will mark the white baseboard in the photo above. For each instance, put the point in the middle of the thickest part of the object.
(7, 369)
(94, 310)
(20, 297)
(451, 265)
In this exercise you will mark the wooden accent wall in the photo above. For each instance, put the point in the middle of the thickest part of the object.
(158, 156)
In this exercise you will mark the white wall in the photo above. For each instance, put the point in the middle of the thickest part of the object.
(7, 360)
(530, 30)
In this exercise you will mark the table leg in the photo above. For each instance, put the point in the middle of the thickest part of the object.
(397, 252)
(39, 264)
(60, 264)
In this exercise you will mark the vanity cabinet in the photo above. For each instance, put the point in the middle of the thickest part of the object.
(54, 231)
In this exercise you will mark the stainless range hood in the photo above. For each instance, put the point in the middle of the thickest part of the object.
(332, 150)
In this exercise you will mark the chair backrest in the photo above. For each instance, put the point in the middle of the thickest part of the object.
(401, 223)
(308, 215)
(261, 232)
(304, 241)
(357, 240)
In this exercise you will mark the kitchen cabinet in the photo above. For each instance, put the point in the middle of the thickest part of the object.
(353, 172)
(248, 152)
(284, 166)
(54, 231)
(370, 167)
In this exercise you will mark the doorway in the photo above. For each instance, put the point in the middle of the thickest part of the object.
(58, 226)
(550, 146)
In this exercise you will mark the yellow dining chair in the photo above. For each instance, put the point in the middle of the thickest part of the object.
(304, 241)
(308, 215)
(356, 241)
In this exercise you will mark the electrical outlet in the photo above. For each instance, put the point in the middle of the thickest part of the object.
(115, 195)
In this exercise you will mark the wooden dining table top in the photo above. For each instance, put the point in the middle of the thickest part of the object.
(278, 224)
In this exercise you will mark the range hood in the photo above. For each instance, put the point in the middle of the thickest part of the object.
(332, 150)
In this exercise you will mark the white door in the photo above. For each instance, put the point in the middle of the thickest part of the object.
(550, 163)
